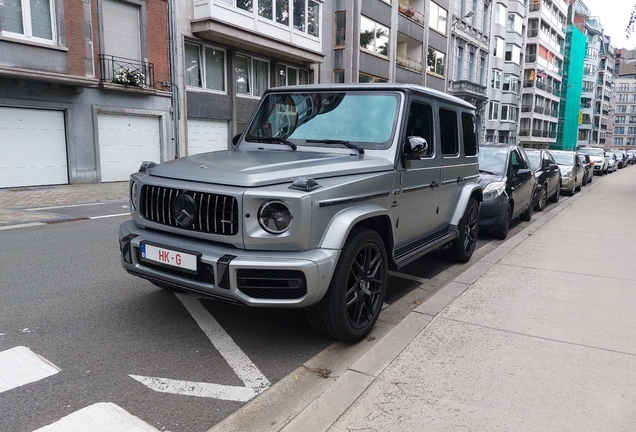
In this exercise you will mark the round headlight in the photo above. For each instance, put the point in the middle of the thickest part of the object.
(133, 195)
(275, 217)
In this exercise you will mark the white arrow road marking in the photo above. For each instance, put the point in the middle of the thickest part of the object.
(99, 417)
(20, 365)
(255, 381)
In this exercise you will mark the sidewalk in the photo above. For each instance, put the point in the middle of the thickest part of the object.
(539, 335)
(15, 202)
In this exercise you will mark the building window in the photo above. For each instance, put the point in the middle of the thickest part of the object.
(622, 97)
(623, 87)
(435, 62)
(619, 130)
(618, 141)
(340, 29)
(367, 78)
(493, 111)
(498, 48)
(513, 53)
(484, 20)
(620, 119)
(252, 76)
(460, 64)
(204, 67)
(471, 66)
(500, 14)
(510, 83)
(374, 37)
(306, 14)
(495, 80)
(508, 113)
(28, 19)
(632, 119)
(515, 23)
(482, 70)
(338, 76)
(631, 130)
(287, 76)
(621, 108)
(437, 18)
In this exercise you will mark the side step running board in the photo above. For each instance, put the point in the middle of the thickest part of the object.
(407, 256)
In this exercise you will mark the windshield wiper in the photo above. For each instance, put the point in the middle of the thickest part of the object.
(273, 140)
(344, 143)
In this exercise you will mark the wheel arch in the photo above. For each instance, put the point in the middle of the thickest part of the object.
(470, 190)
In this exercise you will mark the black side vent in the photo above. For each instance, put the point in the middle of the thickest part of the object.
(272, 284)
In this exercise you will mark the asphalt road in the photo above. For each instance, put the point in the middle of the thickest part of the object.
(64, 296)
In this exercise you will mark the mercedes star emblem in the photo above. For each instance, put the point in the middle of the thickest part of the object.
(185, 210)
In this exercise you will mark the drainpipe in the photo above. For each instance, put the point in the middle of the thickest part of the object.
(174, 77)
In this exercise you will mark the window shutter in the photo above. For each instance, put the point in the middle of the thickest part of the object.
(121, 30)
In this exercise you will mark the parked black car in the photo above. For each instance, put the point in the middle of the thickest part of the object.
(588, 167)
(548, 176)
(509, 187)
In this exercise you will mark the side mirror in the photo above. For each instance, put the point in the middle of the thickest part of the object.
(416, 146)
(524, 173)
(553, 167)
(235, 139)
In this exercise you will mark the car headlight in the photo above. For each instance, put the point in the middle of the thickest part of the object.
(275, 217)
(134, 188)
(567, 173)
(494, 189)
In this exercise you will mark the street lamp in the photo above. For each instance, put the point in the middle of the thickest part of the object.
(458, 19)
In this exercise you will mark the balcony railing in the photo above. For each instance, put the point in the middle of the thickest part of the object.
(526, 108)
(468, 88)
(411, 13)
(537, 133)
(534, 7)
(409, 63)
(127, 72)
(524, 132)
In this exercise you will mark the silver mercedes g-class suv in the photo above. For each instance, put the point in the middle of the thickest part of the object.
(327, 189)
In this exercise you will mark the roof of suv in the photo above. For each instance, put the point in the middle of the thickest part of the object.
(372, 87)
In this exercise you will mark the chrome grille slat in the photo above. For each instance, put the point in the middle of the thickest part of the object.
(217, 214)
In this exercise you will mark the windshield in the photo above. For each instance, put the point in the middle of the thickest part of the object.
(535, 159)
(592, 152)
(364, 118)
(563, 158)
(492, 160)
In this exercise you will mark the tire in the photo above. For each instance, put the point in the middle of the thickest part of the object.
(353, 302)
(543, 198)
(584, 182)
(590, 179)
(527, 215)
(463, 246)
(578, 188)
(502, 232)
(555, 198)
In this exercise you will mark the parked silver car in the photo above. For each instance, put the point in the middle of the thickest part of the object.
(328, 188)
(571, 170)
(598, 156)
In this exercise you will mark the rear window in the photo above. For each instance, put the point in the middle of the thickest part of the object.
(470, 135)
(448, 129)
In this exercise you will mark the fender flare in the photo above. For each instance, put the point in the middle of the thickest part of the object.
(468, 191)
(341, 224)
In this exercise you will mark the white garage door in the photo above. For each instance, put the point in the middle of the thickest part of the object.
(32, 147)
(206, 135)
(125, 142)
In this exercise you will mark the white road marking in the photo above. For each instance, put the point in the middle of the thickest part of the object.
(109, 216)
(64, 206)
(191, 388)
(99, 417)
(26, 225)
(255, 381)
(20, 366)
(409, 277)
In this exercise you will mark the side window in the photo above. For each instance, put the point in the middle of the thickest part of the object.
(420, 123)
(448, 132)
(470, 137)
(515, 161)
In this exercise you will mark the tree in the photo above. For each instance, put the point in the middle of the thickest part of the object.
(632, 22)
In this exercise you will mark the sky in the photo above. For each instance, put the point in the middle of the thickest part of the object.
(614, 15)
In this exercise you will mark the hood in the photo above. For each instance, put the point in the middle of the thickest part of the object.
(597, 158)
(255, 168)
(485, 179)
(565, 168)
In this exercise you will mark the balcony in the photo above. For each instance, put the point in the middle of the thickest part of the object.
(409, 12)
(409, 63)
(524, 132)
(246, 28)
(469, 89)
(127, 72)
(526, 108)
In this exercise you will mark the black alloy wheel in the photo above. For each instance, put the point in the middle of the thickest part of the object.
(463, 246)
(351, 306)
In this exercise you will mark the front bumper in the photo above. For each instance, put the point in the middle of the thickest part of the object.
(492, 212)
(253, 278)
(567, 183)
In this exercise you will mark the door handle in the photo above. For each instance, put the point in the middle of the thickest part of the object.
(460, 179)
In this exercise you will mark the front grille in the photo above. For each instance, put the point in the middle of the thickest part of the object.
(215, 214)
(272, 284)
(204, 275)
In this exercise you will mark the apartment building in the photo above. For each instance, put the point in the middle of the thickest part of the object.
(84, 90)
(624, 127)
(543, 73)
(604, 92)
(470, 49)
(506, 70)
